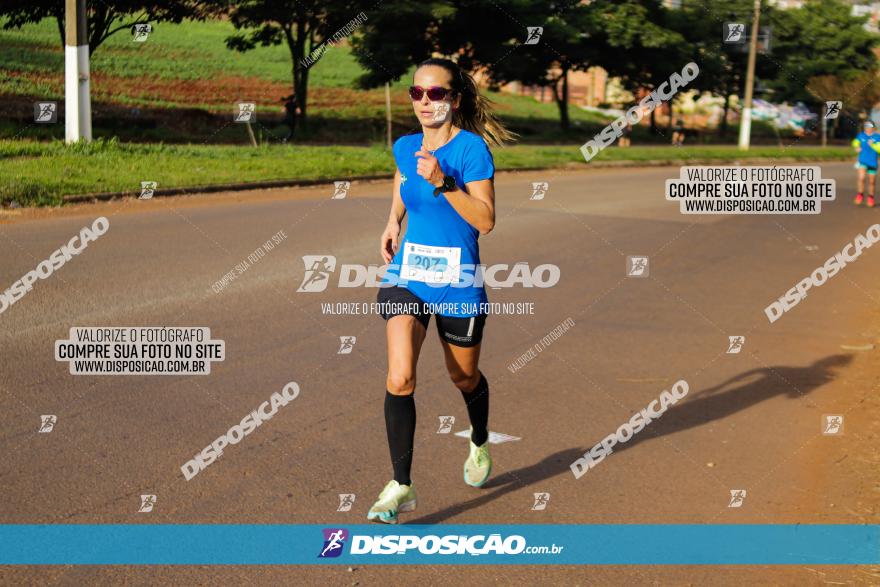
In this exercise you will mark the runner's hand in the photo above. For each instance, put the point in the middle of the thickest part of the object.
(390, 241)
(429, 168)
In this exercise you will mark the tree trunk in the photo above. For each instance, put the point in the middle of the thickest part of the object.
(561, 98)
(60, 19)
(389, 144)
(299, 72)
(723, 127)
(303, 90)
(99, 21)
(654, 121)
(300, 76)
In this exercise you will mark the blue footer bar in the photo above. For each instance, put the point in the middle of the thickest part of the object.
(611, 544)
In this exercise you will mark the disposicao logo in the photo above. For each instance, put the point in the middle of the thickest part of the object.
(334, 540)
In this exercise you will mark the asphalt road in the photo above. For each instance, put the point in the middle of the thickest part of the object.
(750, 421)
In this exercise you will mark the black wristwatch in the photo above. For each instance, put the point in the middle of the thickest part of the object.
(448, 185)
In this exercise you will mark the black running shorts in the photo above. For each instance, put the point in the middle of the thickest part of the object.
(399, 301)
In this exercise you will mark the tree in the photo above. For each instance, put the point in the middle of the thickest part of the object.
(489, 38)
(387, 46)
(821, 38)
(858, 93)
(106, 17)
(722, 66)
(648, 44)
(305, 26)
(504, 53)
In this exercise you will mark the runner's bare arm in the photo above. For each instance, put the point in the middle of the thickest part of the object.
(398, 210)
(390, 240)
(476, 205)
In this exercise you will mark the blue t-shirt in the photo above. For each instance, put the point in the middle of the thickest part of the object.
(439, 255)
(867, 155)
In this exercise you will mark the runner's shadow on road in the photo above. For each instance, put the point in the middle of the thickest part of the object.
(715, 403)
(739, 393)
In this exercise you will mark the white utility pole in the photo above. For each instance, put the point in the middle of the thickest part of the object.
(745, 124)
(77, 101)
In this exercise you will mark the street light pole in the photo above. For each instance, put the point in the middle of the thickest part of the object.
(77, 103)
(745, 124)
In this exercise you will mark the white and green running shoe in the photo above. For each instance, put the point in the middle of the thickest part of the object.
(394, 499)
(478, 465)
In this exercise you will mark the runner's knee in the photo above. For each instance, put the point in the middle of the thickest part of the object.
(399, 383)
(463, 380)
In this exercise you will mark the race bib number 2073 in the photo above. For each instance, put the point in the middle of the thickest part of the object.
(431, 264)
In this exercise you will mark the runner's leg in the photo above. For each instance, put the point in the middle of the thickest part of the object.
(462, 365)
(405, 337)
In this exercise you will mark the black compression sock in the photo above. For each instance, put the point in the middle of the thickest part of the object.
(478, 410)
(400, 424)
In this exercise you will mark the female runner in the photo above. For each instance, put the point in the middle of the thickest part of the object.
(445, 182)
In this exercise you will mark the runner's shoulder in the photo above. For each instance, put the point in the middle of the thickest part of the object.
(470, 138)
(406, 142)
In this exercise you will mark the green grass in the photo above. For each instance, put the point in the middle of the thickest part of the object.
(190, 50)
(42, 173)
(153, 81)
(158, 78)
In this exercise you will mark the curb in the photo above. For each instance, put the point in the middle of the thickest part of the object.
(284, 183)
